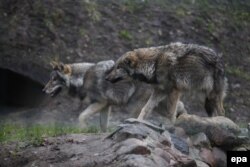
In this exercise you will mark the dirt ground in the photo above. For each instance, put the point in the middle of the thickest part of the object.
(68, 150)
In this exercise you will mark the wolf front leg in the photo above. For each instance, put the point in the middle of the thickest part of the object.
(155, 98)
(104, 118)
(90, 110)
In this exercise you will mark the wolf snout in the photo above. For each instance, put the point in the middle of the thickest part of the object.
(44, 89)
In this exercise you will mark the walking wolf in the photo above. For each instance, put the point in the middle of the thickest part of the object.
(88, 79)
(172, 69)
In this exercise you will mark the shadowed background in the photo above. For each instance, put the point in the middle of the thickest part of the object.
(35, 32)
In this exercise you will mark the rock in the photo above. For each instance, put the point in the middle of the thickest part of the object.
(180, 144)
(133, 146)
(240, 149)
(138, 146)
(130, 131)
(244, 132)
(219, 157)
(207, 156)
(193, 124)
(201, 163)
(224, 139)
(133, 161)
(180, 132)
(139, 143)
(194, 153)
(148, 124)
(200, 140)
(221, 131)
(164, 154)
(133, 128)
(166, 139)
(248, 127)
(160, 161)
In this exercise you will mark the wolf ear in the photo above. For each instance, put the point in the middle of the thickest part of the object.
(128, 62)
(66, 69)
(54, 65)
(57, 66)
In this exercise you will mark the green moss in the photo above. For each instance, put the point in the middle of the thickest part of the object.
(181, 12)
(242, 124)
(49, 24)
(57, 16)
(211, 27)
(125, 34)
(149, 42)
(82, 32)
(134, 5)
(92, 9)
(240, 16)
(238, 72)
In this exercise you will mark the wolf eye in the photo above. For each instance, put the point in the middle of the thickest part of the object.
(128, 62)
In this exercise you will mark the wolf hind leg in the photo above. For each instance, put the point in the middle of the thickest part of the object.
(214, 104)
(214, 99)
(89, 111)
(210, 107)
(104, 118)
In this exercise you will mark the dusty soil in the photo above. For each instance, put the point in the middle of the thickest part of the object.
(68, 150)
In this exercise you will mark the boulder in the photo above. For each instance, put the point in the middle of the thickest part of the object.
(225, 139)
(219, 157)
(201, 163)
(220, 130)
(140, 143)
(207, 156)
(132, 146)
(180, 132)
(200, 140)
(180, 144)
(193, 124)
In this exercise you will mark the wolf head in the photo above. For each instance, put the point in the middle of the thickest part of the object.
(59, 78)
(137, 64)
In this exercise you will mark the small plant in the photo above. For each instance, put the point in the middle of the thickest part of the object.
(238, 72)
(148, 42)
(181, 12)
(124, 34)
(211, 27)
(82, 32)
(134, 5)
(93, 12)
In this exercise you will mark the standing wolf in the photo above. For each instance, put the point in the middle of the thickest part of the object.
(173, 69)
(89, 79)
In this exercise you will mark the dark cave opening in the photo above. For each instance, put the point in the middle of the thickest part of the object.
(17, 90)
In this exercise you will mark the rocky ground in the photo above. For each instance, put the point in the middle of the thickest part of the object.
(136, 144)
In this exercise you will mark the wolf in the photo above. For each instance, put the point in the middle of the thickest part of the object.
(172, 70)
(88, 79)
